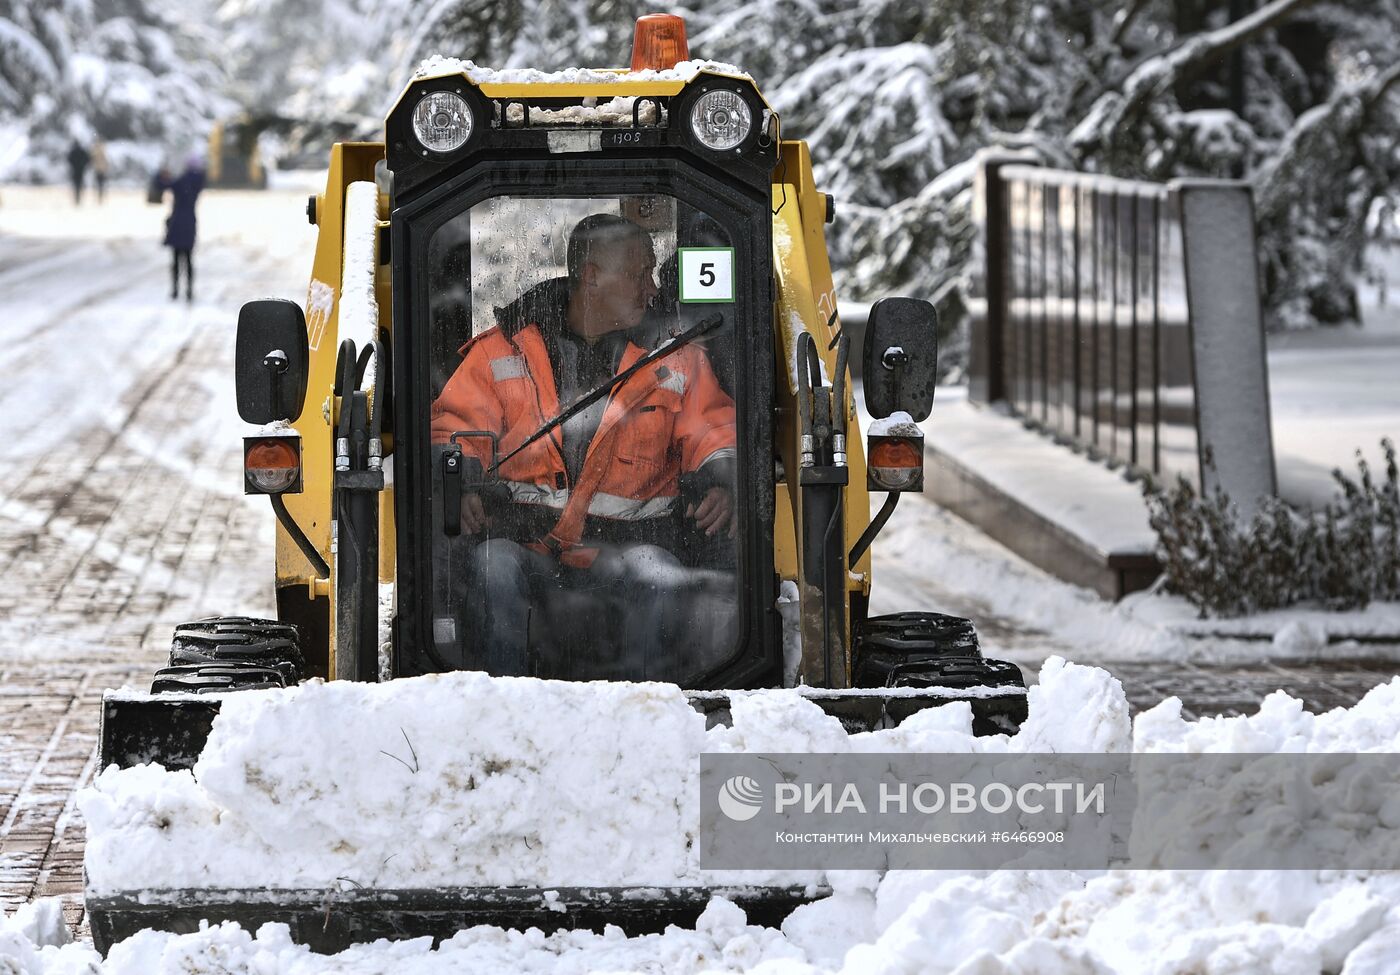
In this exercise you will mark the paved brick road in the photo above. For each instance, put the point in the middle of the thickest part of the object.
(121, 511)
(48, 727)
(113, 548)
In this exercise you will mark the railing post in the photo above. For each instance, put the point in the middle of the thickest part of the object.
(1227, 338)
(987, 301)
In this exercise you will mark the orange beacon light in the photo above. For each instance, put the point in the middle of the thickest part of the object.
(659, 42)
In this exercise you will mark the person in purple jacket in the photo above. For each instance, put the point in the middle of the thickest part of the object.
(180, 225)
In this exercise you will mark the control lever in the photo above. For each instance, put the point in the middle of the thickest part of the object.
(452, 491)
(462, 473)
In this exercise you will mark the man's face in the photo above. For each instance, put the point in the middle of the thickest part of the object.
(621, 283)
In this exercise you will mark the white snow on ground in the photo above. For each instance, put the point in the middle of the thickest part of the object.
(95, 307)
(1003, 923)
(1090, 501)
(88, 338)
(1332, 393)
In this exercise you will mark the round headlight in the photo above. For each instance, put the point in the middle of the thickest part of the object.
(721, 119)
(442, 121)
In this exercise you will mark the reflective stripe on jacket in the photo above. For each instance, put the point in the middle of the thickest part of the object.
(668, 419)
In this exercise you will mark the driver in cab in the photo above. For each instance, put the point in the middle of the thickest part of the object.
(592, 503)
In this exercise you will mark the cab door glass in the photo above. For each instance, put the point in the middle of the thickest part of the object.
(585, 526)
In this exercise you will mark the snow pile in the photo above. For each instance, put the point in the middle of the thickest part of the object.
(897, 424)
(31, 939)
(269, 754)
(509, 781)
(1239, 808)
(1280, 725)
(722, 941)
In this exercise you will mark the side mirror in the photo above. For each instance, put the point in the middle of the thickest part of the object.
(901, 358)
(270, 361)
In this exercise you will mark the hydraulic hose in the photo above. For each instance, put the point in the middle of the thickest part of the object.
(279, 507)
(345, 385)
(838, 384)
(873, 529)
(804, 401)
(838, 402)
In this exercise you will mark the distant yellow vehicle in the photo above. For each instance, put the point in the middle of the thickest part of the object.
(235, 161)
(450, 239)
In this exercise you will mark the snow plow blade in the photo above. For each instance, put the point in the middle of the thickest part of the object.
(331, 921)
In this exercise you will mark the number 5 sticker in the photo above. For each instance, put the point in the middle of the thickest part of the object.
(707, 274)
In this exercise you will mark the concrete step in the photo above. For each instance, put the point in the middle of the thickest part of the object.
(1059, 510)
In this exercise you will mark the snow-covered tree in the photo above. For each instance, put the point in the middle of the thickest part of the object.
(1317, 136)
(314, 71)
(895, 97)
(135, 73)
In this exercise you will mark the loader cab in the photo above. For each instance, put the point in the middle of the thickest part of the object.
(546, 240)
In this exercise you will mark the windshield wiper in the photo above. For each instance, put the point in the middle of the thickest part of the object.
(593, 395)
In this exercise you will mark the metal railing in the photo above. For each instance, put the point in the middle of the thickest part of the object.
(1123, 317)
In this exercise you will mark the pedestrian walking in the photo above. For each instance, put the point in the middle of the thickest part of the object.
(99, 168)
(180, 225)
(78, 159)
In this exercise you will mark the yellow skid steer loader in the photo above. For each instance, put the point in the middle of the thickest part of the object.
(569, 398)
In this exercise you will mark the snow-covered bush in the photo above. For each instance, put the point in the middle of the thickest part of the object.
(1344, 556)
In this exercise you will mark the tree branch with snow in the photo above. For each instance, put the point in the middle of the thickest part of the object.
(1110, 127)
(1314, 195)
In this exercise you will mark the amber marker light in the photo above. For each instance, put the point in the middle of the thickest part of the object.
(896, 464)
(272, 465)
(659, 44)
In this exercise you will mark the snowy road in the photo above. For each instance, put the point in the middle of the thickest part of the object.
(120, 504)
(120, 500)
(121, 510)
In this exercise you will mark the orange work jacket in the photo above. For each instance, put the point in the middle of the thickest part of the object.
(669, 418)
